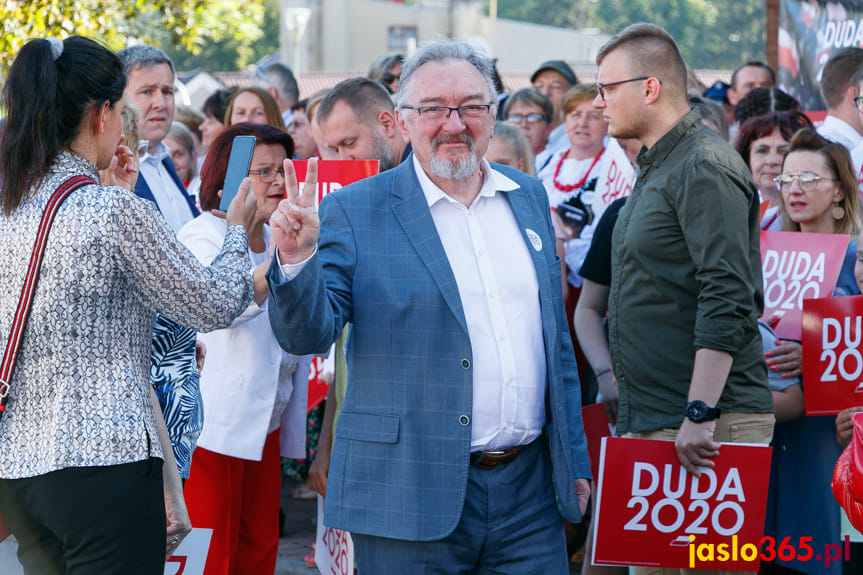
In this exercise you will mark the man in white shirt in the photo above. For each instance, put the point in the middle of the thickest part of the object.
(839, 88)
(150, 84)
(460, 438)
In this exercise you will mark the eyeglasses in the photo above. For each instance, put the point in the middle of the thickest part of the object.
(858, 101)
(528, 118)
(806, 180)
(601, 87)
(388, 78)
(433, 113)
(268, 174)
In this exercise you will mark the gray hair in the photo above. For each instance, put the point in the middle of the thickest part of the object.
(143, 56)
(441, 51)
(277, 75)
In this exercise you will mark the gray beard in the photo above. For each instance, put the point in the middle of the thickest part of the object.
(460, 169)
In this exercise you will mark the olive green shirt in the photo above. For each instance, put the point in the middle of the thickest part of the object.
(686, 274)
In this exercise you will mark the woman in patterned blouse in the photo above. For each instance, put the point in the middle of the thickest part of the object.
(82, 481)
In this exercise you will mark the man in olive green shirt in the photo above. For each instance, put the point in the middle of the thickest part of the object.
(686, 289)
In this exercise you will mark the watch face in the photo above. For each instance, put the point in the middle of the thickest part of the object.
(696, 411)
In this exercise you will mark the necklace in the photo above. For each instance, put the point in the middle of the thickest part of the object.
(570, 187)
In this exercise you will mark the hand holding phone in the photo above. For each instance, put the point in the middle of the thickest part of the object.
(239, 162)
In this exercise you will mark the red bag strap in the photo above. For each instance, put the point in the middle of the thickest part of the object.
(26, 299)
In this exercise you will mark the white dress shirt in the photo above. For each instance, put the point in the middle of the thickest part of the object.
(500, 296)
(174, 207)
(840, 131)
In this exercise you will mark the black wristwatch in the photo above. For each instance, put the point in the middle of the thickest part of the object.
(698, 412)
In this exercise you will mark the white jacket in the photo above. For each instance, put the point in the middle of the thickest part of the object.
(244, 370)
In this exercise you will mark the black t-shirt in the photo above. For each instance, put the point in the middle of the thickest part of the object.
(597, 263)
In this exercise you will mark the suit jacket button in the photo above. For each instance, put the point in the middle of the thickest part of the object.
(464, 419)
(465, 363)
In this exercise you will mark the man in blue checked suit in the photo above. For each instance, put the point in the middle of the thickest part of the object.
(460, 444)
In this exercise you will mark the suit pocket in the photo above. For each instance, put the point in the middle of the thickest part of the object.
(371, 427)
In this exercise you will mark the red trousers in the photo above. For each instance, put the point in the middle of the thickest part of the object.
(239, 500)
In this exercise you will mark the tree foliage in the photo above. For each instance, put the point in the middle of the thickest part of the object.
(242, 48)
(186, 23)
(710, 33)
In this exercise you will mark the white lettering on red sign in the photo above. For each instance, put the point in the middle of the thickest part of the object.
(646, 480)
(790, 277)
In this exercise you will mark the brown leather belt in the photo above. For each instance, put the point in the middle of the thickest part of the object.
(491, 459)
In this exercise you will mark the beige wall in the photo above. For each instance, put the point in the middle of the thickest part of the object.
(347, 35)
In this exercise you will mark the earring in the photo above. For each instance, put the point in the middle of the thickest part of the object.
(838, 211)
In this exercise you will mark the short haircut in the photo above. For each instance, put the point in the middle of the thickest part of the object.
(514, 136)
(271, 108)
(838, 160)
(441, 51)
(840, 72)
(752, 64)
(532, 97)
(577, 95)
(216, 104)
(280, 77)
(758, 127)
(763, 101)
(367, 98)
(143, 56)
(216, 163)
(651, 51)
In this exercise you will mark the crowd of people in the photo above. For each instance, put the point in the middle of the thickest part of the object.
(519, 256)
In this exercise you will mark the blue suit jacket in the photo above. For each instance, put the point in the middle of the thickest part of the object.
(143, 190)
(400, 462)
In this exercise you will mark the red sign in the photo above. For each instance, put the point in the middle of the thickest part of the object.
(652, 512)
(332, 175)
(832, 361)
(797, 266)
(335, 174)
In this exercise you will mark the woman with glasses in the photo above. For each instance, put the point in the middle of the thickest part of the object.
(254, 393)
(387, 70)
(819, 195)
(762, 142)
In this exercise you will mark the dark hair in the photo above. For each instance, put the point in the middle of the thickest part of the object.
(752, 64)
(762, 101)
(216, 104)
(838, 160)
(366, 98)
(216, 163)
(46, 101)
(271, 108)
(788, 123)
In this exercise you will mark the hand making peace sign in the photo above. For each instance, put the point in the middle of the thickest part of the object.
(295, 224)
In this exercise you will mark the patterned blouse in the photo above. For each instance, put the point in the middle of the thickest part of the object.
(80, 393)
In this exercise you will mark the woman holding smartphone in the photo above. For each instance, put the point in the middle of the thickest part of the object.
(83, 486)
(254, 393)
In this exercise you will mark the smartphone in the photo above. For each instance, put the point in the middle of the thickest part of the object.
(238, 168)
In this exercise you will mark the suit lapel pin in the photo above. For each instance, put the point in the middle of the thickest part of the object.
(535, 241)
